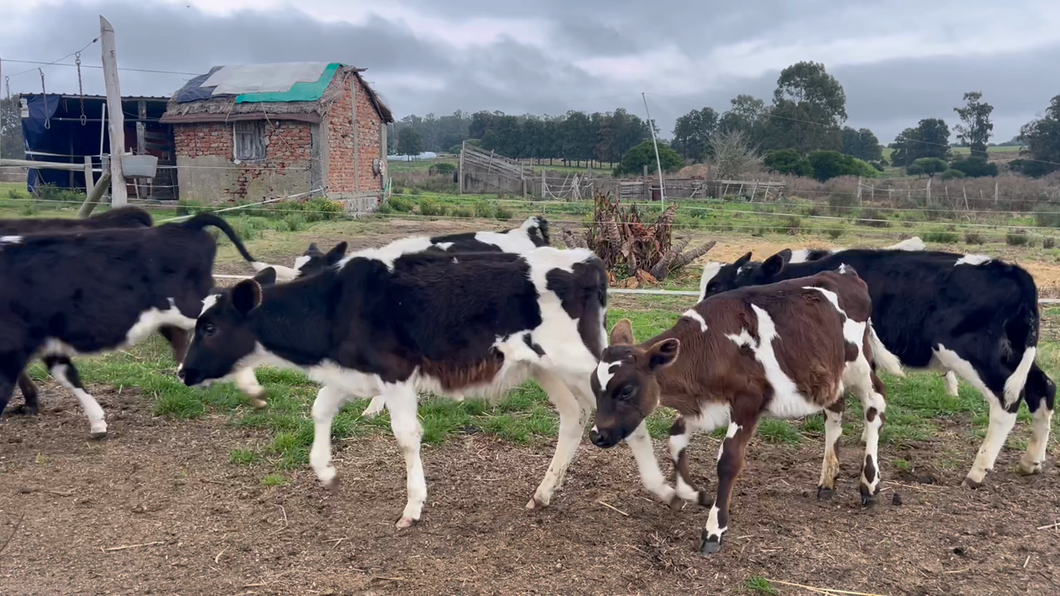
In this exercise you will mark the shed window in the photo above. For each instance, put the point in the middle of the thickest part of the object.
(249, 140)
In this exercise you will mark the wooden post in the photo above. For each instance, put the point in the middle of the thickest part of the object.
(929, 191)
(543, 180)
(995, 194)
(754, 191)
(100, 187)
(460, 169)
(141, 127)
(859, 190)
(118, 193)
(647, 185)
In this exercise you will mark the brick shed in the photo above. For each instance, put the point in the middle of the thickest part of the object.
(249, 133)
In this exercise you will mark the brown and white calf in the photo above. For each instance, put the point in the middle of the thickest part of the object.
(786, 350)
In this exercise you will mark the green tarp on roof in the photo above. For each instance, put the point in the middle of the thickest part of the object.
(298, 91)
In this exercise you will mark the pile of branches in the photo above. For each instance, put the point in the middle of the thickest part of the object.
(634, 251)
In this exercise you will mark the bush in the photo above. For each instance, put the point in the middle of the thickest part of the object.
(1047, 219)
(1048, 242)
(787, 161)
(1017, 238)
(943, 236)
(430, 207)
(873, 219)
(462, 212)
(483, 209)
(384, 208)
(877, 165)
(320, 209)
(415, 192)
(401, 205)
(502, 214)
(294, 222)
(444, 167)
(13, 193)
(835, 232)
(832, 164)
(952, 174)
(927, 165)
(793, 225)
(641, 155)
(974, 238)
(975, 167)
(841, 204)
(54, 194)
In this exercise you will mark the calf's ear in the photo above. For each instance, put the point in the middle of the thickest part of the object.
(246, 296)
(336, 254)
(740, 262)
(663, 353)
(622, 333)
(265, 277)
(775, 264)
(313, 250)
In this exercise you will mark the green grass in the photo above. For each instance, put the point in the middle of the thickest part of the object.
(759, 585)
(274, 480)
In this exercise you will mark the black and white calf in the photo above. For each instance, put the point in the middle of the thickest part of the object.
(785, 350)
(96, 291)
(969, 314)
(121, 217)
(404, 318)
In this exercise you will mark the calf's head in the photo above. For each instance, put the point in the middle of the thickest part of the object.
(314, 261)
(625, 384)
(223, 333)
(721, 277)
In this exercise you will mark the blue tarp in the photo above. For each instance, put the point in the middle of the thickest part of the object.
(40, 135)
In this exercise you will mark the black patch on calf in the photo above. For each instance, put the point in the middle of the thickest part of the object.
(870, 414)
(583, 294)
(533, 346)
(851, 352)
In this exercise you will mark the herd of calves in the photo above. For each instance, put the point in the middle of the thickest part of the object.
(480, 313)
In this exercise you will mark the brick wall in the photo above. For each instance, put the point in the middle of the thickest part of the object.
(206, 165)
(344, 176)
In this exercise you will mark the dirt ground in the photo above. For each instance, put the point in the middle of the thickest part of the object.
(158, 509)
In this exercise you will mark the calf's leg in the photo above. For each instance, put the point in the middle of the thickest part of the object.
(730, 463)
(375, 407)
(1041, 400)
(66, 373)
(247, 382)
(833, 429)
(401, 401)
(29, 394)
(327, 404)
(952, 387)
(650, 475)
(572, 419)
(680, 436)
(178, 341)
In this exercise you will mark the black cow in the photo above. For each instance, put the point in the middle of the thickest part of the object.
(120, 217)
(402, 318)
(969, 314)
(96, 291)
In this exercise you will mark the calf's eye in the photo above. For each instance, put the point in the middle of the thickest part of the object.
(208, 329)
(626, 392)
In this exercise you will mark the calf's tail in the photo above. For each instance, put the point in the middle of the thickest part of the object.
(883, 357)
(1022, 331)
(202, 220)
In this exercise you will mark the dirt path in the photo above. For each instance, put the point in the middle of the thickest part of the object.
(211, 527)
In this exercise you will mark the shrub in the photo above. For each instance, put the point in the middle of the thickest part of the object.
(13, 193)
(975, 167)
(430, 207)
(414, 191)
(793, 225)
(502, 214)
(29, 209)
(841, 204)
(294, 222)
(873, 219)
(444, 167)
(974, 238)
(641, 155)
(813, 210)
(483, 209)
(832, 164)
(927, 165)
(943, 236)
(1017, 238)
(835, 232)
(1047, 219)
(952, 174)
(462, 212)
(787, 161)
(385, 208)
(1048, 242)
(401, 205)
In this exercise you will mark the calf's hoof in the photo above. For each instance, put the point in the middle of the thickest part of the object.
(332, 484)
(258, 403)
(97, 435)
(24, 410)
(710, 545)
(405, 522)
(1029, 468)
(676, 503)
(536, 503)
(972, 484)
(825, 494)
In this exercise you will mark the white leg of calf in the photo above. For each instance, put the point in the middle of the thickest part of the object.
(1034, 457)
(678, 446)
(951, 383)
(650, 475)
(68, 377)
(858, 376)
(401, 401)
(833, 429)
(375, 407)
(327, 404)
(247, 382)
(572, 421)
(1001, 423)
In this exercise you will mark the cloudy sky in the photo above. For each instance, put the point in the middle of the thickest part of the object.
(899, 61)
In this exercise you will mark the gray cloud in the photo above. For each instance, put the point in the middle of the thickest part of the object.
(597, 56)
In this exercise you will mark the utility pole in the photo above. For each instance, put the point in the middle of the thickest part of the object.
(658, 164)
(118, 191)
